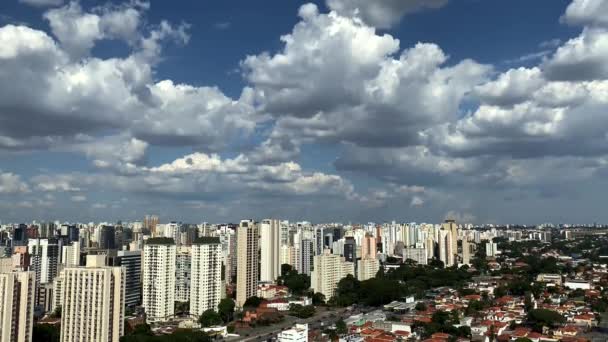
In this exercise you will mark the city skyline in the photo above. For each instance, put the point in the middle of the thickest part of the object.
(336, 110)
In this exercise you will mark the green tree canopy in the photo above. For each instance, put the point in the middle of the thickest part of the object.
(210, 318)
(226, 309)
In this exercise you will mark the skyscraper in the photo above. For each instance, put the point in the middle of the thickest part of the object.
(466, 252)
(159, 278)
(130, 261)
(270, 250)
(445, 248)
(183, 261)
(452, 227)
(247, 261)
(350, 249)
(206, 276)
(150, 223)
(107, 237)
(367, 268)
(305, 261)
(44, 259)
(93, 302)
(17, 291)
(368, 247)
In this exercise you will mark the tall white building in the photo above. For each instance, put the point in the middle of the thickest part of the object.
(206, 276)
(270, 266)
(466, 252)
(159, 279)
(419, 255)
(183, 259)
(93, 302)
(491, 249)
(44, 259)
(247, 261)
(446, 254)
(70, 255)
(367, 268)
(329, 269)
(17, 291)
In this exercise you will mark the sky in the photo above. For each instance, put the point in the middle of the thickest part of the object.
(325, 111)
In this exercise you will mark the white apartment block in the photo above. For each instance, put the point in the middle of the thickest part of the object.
(247, 261)
(419, 255)
(159, 279)
(270, 267)
(367, 268)
(329, 269)
(17, 291)
(299, 333)
(93, 302)
(206, 276)
(183, 259)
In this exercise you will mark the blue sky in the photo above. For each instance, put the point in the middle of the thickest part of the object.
(346, 110)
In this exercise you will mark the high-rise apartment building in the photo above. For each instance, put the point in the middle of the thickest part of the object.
(446, 254)
(367, 268)
(44, 259)
(452, 227)
(183, 260)
(270, 266)
(329, 269)
(247, 261)
(491, 249)
(93, 302)
(206, 275)
(305, 260)
(130, 261)
(419, 255)
(150, 223)
(368, 247)
(159, 279)
(466, 252)
(17, 292)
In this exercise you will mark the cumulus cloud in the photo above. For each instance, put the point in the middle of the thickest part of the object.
(382, 13)
(11, 183)
(587, 12)
(349, 80)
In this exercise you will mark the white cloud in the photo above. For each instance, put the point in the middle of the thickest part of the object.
(382, 13)
(55, 183)
(11, 183)
(587, 12)
(78, 198)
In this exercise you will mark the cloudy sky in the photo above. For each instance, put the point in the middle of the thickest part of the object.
(346, 110)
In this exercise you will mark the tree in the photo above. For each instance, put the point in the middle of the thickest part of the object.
(253, 302)
(45, 332)
(57, 312)
(341, 327)
(523, 339)
(226, 309)
(300, 311)
(543, 317)
(210, 318)
(318, 299)
(285, 269)
(347, 291)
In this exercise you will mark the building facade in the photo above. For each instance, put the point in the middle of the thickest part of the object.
(329, 269)
(247, 261)
(17, 292)
(158, 292)
(270, 266)
(206, 275)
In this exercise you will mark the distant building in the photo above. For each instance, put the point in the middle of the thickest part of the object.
(247, 261)
(206, 276)
(446, 254)
(491, 249)
(130, 261)
(466, 252)
(270, 250)
(93, 302)
(367, 268)
(305, 261)
(183, 260)
(17, 290)
(159, 279)
(329, 269)
(419, 255)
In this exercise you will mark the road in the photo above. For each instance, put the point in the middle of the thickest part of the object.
(327, 317)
